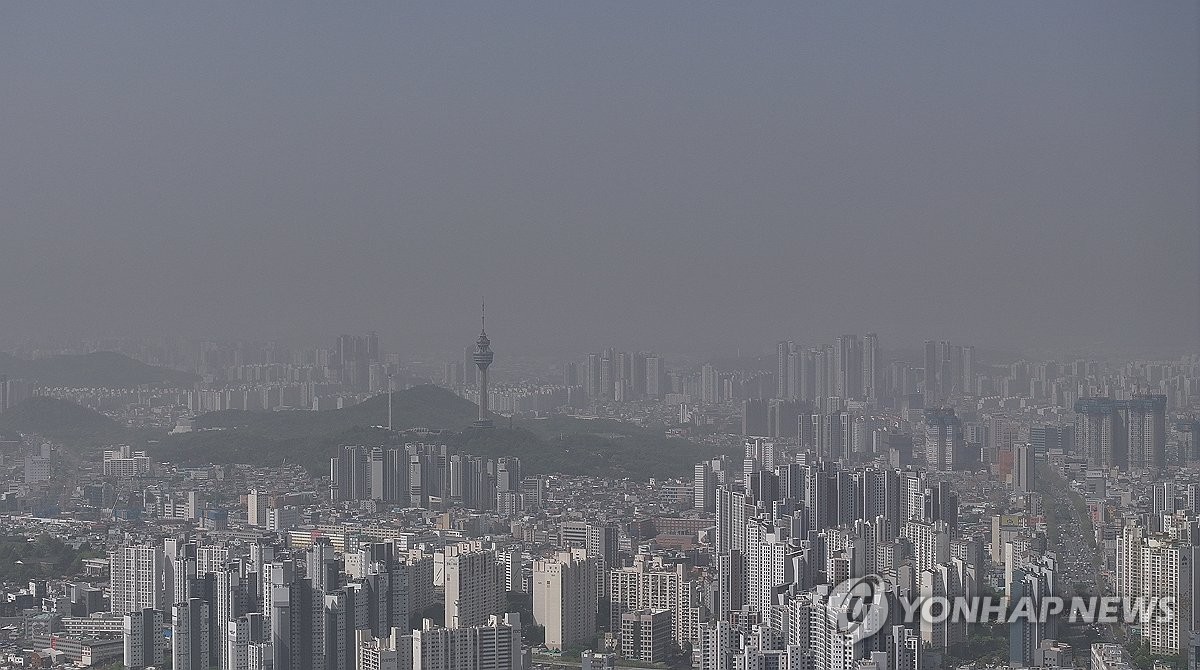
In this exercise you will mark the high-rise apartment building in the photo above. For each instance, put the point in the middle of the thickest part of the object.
(645, 635)
(565, 599)
(137, 579)
(848, 367)
(1150, 566)
(932, 363)
(944, 442)
(704, 487)
(1121, 433)
(647, 585)
(710, 387)
(143, 638)
(190, 640)
(656, 376)
(256, 508)
(473, 582)
(870, 367)
(782, 351)
(494, 645)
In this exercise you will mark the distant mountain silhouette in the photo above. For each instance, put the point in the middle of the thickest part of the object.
(560, 445)
(53, 417)
(425, 406)
(97, 369)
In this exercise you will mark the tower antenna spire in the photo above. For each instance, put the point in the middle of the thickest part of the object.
(483, 358)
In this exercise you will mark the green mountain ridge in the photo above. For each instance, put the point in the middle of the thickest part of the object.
(558, 445)
(56, 418)
(97, 369)
(425, 406)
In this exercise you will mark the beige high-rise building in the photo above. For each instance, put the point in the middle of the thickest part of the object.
(474, 585)
(256, 508)
(564, 598)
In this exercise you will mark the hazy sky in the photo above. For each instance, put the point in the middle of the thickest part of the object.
(668, 175)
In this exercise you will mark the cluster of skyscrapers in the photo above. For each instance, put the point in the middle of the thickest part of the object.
(619, 376)
(429, 476)
(324, 608)
(788, 531)
(1129, 433)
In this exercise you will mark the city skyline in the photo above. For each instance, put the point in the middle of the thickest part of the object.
(824, 336)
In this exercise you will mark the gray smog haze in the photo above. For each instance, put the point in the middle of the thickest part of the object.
(670, 175)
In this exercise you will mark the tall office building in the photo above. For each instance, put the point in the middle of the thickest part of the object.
(1047, 436)
(565, 599)
(473, 582)
(483, 358)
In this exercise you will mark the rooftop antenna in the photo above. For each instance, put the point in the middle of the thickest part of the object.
(482, 315)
